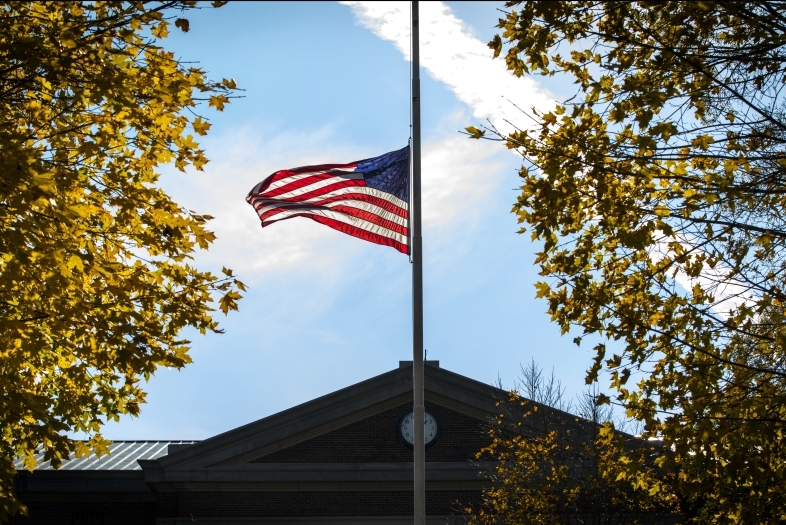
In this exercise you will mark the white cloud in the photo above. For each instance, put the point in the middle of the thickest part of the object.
(239, 161)
(454, 191)
(451, 55)
(459, 176)
(459, 181)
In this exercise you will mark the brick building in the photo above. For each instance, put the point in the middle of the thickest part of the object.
(339, 459)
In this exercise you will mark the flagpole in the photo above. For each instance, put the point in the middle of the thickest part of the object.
(417, 285)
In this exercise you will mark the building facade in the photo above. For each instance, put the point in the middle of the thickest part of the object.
(340, 459)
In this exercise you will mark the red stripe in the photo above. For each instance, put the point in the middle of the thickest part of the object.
(269, 216)
(280, 174)
(372, 218)
(300, 183)
(362, 197)
(371, 199)
(360, 233)
(345, 228)
(340, 183)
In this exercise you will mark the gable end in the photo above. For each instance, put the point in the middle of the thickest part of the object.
(375, 439)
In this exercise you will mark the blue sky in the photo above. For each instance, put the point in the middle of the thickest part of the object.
(326, 82)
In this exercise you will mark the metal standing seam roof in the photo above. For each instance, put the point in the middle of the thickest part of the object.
(122, 456)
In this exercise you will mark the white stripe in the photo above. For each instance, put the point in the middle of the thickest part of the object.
(340, 191)
(360, 205)
(371, 208)
(345, 173)
(306, 189)
(285, 181)
(347, 219)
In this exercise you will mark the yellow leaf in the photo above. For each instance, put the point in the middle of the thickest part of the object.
(475, 133)
(542, 290)
(75, 262)
(662, 211)
(44, 182)
(161, 30)
(80, 210)
(97, 266)
(82, 450)
(200, 126)
(218, 102)
(188, 142)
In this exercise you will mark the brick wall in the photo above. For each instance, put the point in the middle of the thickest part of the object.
(286, 504)
(375, 439)
(244, 504)
(103, 512)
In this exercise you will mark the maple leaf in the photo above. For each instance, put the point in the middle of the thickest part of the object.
(94, 274)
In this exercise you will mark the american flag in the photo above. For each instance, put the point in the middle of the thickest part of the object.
(368, 198)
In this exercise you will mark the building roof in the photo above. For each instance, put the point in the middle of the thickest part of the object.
(236, 447)
(123, 456)
(229, 461)
(230, 456)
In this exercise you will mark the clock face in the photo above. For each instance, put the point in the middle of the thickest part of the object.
(406, 429)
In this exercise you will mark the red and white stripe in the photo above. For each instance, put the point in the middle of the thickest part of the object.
(336, 196)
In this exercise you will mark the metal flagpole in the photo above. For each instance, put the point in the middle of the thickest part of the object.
(417, 285)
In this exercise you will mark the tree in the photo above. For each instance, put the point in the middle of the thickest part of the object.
(658, 193)
(96, 287)
(548, 467)
(546, 391)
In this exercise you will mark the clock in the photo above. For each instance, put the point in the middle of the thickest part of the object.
(406, 429)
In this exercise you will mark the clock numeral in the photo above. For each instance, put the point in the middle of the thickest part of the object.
(429, 430)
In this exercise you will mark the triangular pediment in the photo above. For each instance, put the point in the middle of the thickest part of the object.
(376, 439)
(365, 406)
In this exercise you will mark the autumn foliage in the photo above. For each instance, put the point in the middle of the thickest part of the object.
(549, 467)
(96, 286)
(658, 194)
